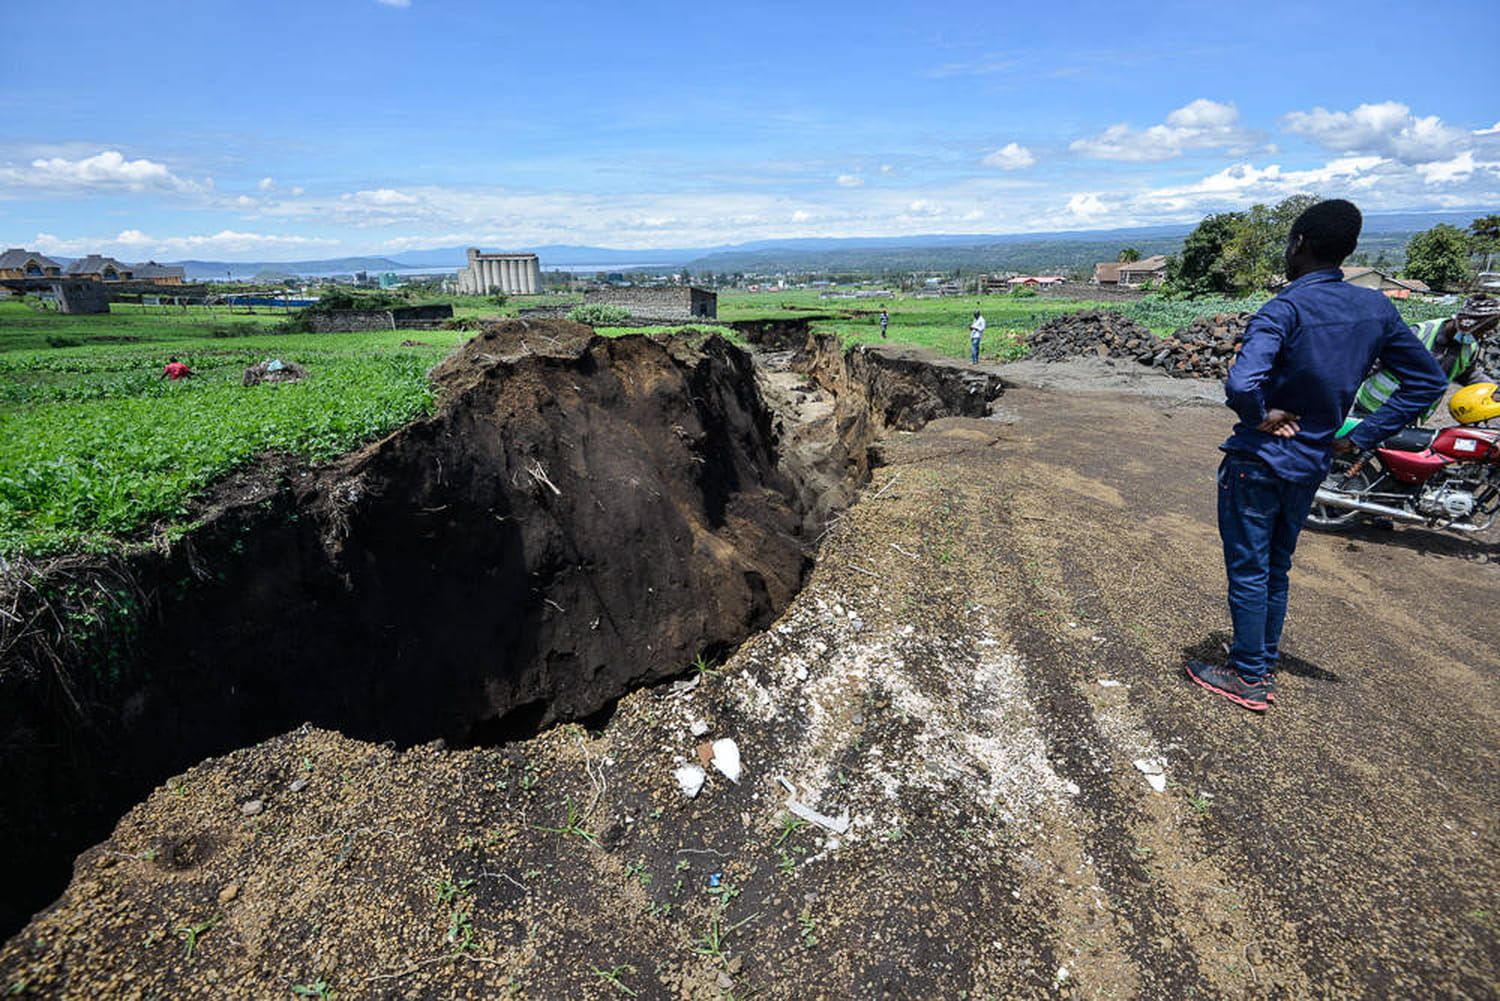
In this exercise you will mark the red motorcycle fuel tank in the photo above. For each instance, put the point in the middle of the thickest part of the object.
(1468, 444)
(1412, 467)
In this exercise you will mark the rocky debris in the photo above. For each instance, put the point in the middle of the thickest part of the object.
(1201, 350)
(273, 370)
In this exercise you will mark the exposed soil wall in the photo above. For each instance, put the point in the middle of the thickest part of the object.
(580, 516)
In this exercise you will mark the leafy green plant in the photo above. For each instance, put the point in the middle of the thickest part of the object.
(317, 989)
(599, 315)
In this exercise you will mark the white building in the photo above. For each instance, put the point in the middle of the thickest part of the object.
(513, 274)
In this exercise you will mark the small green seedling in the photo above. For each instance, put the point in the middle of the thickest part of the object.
(460, 931)
(318, 989)
(790, 825)
(192, 933)
(449, 890)
(611, 976)
(573, 825)
(725, 892)
(808, 929)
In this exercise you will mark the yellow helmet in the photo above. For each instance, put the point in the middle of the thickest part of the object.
(1476, 403)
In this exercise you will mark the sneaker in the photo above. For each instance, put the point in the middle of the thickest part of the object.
(1228, 683)
(1271, 685)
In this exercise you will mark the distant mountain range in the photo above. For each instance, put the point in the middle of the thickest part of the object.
(1383, 233)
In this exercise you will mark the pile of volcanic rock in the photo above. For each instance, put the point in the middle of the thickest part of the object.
(1201, 350)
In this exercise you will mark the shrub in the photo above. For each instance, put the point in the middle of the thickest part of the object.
(599, 315)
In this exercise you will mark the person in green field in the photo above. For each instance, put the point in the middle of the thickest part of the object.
(1455, 343)
(885, 321)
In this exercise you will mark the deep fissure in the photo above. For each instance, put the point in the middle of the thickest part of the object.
(581, 517)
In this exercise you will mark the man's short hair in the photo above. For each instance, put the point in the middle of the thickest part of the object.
(1330, 229)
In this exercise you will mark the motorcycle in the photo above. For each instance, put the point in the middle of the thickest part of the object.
(1445, 478)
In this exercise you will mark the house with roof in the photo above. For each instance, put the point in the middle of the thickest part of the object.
(1396, 288)
(159, 274)
(1148, 270)
(100, 269)
(19, 263)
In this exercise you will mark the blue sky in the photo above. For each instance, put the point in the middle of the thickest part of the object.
(271, 130)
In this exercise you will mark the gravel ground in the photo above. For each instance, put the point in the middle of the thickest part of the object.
(988, 654)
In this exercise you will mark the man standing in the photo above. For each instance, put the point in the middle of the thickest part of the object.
(1304, 356)
(1454, 342)
(976, 331)
(885, 321)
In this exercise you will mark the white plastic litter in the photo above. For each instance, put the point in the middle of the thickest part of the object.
(838, 825)
(1155, 772)
(727, 758)
(1110, 683)
(698, 728)
(690, 778)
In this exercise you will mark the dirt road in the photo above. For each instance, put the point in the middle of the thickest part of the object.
(992, 639)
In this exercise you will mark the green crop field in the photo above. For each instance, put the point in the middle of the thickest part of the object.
(94, 444)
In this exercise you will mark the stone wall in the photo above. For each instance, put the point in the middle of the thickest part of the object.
(400, 318)
(81, 297)
(669, 303)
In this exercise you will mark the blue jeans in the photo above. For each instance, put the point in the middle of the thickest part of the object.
(973, 351)
(1260, 517)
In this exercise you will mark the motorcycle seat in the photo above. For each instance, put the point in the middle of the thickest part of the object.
(1410, 440)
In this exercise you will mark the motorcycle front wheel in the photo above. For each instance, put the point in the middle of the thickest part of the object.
(1329, 518)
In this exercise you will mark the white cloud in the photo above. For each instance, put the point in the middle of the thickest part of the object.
(850, 180)
(106, 171)
(381, 198)
(886, 168)
(801, 215)
(132, 244)
(267, 184)
(1203, 124)
(1086, 207)
(1456, 170)
(394, 3)
(1493, 130)
(983, 66)
(1011, 156)
(1388, 128)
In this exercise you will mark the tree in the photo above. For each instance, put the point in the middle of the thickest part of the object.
(1438, 256)
(1254, 254)
(1484, 238)
(1129, 256)
(1198, 269)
